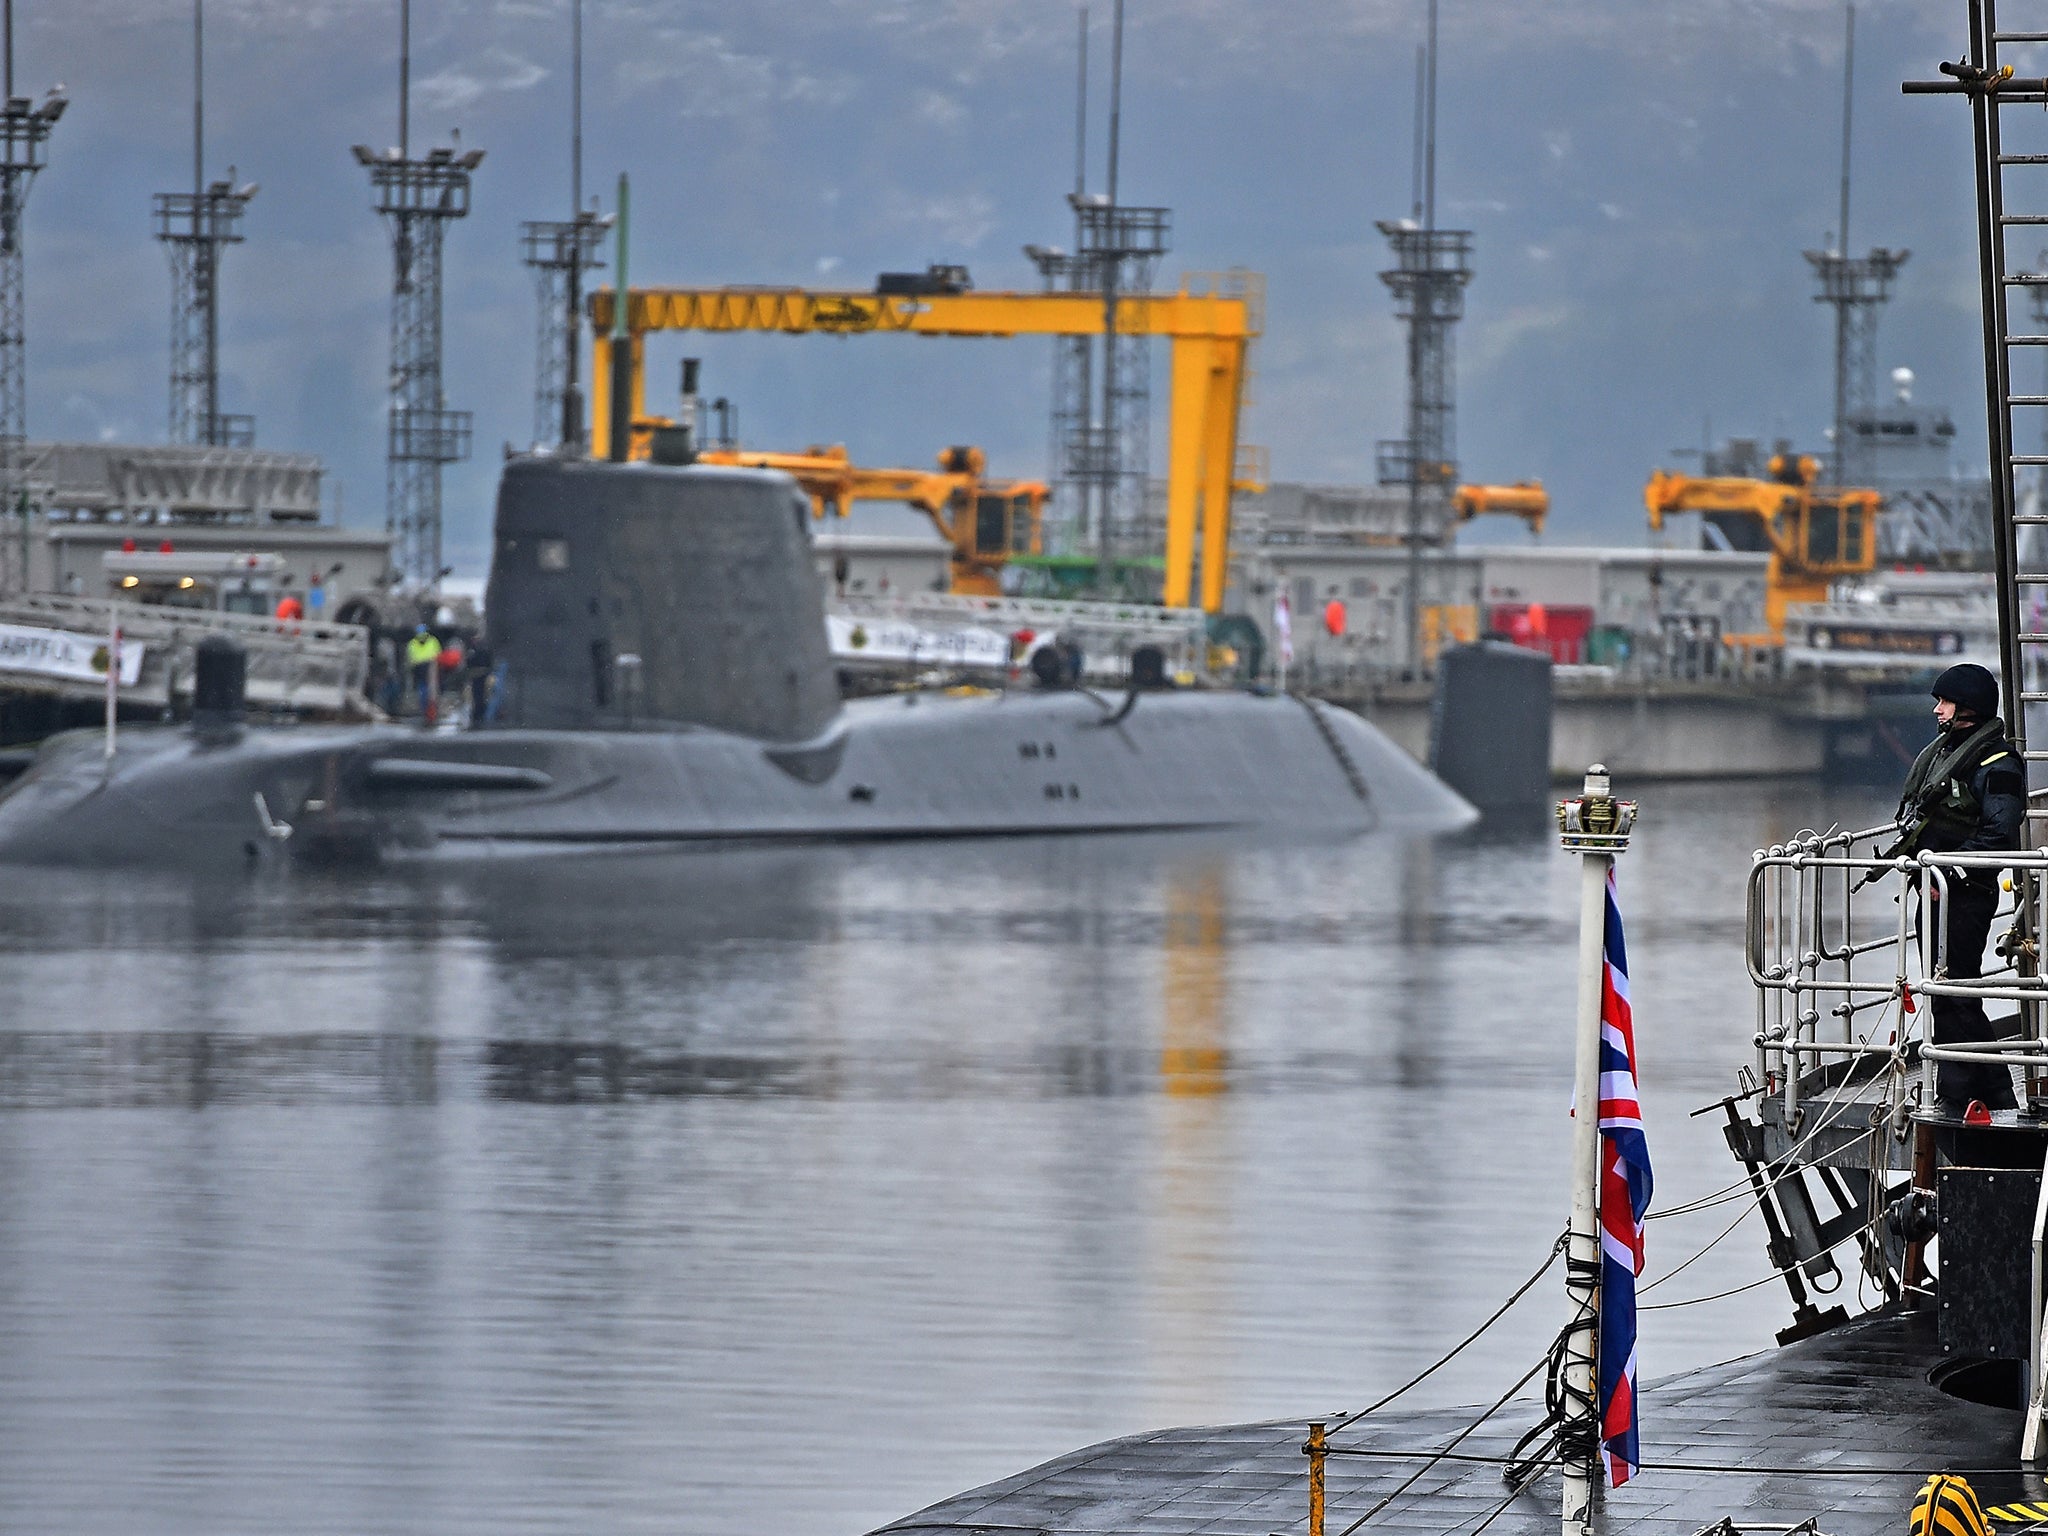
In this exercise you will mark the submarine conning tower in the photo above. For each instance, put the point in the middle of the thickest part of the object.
(650, 597)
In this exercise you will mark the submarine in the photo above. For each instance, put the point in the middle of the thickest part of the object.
(667, 681)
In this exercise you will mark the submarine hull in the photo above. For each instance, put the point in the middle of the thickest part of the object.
(914, 765)
(664, 679)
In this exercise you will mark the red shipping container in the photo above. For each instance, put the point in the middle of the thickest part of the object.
(1559, 628)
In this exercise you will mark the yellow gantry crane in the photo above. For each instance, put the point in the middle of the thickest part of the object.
(986, 521)
(1210, 324)
(1813, 533)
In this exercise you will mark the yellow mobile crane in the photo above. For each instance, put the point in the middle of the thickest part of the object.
(1813, 533)
(1525, 499)
(986, 521)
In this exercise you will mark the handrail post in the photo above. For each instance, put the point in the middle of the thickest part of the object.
(1318, 1453)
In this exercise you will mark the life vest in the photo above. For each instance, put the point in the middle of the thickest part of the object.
(1940, 807)
(422, 651)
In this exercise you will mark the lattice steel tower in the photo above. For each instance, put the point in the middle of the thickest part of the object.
(418, 198)
(195, 226)
(24, 131)
(560, 251)
(1858, 287)
(1101, 448)
(1432, 267)
(1428, 278)
(1073, 390)
(1122, 246)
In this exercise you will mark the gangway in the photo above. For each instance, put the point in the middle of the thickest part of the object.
(58, 644)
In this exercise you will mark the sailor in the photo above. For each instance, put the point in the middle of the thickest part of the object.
(1965, 793)
(423, 661)
(482, 673)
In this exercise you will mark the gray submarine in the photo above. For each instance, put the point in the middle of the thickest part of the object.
(668, 682)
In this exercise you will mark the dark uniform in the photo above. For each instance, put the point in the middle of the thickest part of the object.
(1966, 793)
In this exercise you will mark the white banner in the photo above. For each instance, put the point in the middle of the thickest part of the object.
(892, 640)
(60, 653)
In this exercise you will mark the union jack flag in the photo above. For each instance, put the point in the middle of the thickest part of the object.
(1624, 1198)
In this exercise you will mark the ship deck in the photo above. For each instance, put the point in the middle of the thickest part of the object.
(1841, 1428)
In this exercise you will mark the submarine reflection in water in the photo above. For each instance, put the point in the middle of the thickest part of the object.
(199, 1069)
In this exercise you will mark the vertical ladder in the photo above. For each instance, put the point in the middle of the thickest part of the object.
(1991, 86)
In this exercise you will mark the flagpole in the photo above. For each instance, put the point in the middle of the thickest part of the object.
(1596, 827)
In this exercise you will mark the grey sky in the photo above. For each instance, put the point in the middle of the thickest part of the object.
(1640, 177)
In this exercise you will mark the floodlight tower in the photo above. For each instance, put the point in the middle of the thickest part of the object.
(418, 198)
(1858, 287)
(1073, 357)
(1102, 442)
(1122, 246)
(560, 251)
(24, 131)
(1431, 268)
(194, 227)
(1073, 372)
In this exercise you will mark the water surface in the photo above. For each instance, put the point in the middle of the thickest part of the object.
(686, 1193)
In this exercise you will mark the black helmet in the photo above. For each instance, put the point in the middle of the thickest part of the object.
(1969, 687)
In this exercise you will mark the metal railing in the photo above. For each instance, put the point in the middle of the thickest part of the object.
(1107, 632)
(291, 664)
(1842, 961)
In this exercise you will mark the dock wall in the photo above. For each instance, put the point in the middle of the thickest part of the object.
(1656, 732)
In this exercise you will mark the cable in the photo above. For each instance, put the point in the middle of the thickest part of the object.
(1520, 1291)
(1456, 1440)
(1477, 1458)
(1514, 1493)
(1693, 1301)
(1729, 1192)
(1837, 1107)
(1746, 1213)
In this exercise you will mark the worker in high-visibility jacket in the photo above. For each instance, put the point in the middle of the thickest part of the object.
(423, 661)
